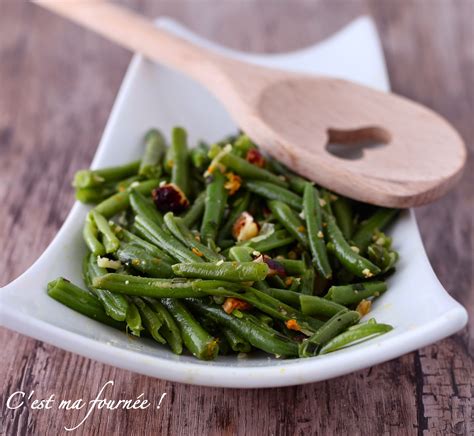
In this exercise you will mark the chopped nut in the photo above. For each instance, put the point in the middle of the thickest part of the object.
(233, 184)
(169, 198)
(367, 273)
(245, 227)
(364, 307)
(301, 229)
(355, 249)
(320, 235)
(322, 202)
(105, 262)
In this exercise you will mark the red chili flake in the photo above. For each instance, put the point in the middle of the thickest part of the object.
(230, 304)
(255, 157)
(292, 324)
(169, 198)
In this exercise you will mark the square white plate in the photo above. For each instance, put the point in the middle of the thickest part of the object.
(416, 304)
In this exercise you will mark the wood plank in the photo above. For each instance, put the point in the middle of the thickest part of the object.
(49, 131)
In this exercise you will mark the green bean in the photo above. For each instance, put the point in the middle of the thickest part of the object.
(378, 221)
(297, 183)
(352, 261)
(317, 306)
(244, 254)
(81, 301)
(236, 342)
(238, 207)
(179, 230)
(199, 156)
(260, 337)
(314, 225)
(147, 287)
(307, 281)
(249, 171)
(90, 233)
(230, 271)
(150, 319)
(195, 211)
(197, 340)
(277, 282)
(91, 178)
(169, 329)
(125, 184)
(155, 147)
(242, 145)
(164, 240)
(169, 268)
(110, 241)
(241, 254)
(292, 267)
(355, 293)
(134, 320)
(216, 199)
(95, 194)
(344, 216)
(261, 301)
(290, 220)
(382, 257)
(142, 261)
(291, 298)
(331, 328)
(142, 206)
(278, 239)
(115, 305)
(180, 157)
(120, 201)
(151, 249)
(355, 335)
(264, 319)
(272, 192)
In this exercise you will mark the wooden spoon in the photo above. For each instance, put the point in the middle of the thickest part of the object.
(294, 116)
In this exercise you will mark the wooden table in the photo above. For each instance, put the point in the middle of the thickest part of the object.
(57, 86)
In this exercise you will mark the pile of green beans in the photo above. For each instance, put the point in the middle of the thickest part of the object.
(220, 249)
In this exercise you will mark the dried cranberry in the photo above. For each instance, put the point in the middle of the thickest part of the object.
(255, 157)
(169, 198)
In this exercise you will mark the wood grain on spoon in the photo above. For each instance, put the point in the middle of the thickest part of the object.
(294, 116)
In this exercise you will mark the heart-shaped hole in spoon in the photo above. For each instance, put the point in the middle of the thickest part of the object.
(350, 143)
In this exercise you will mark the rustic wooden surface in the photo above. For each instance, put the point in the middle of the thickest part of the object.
(57, 85)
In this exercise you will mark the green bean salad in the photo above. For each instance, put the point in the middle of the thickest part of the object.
(221, 249)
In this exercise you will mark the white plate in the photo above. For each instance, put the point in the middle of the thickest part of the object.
(416, 304)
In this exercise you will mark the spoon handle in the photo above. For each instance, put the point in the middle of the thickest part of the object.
(133, 31)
